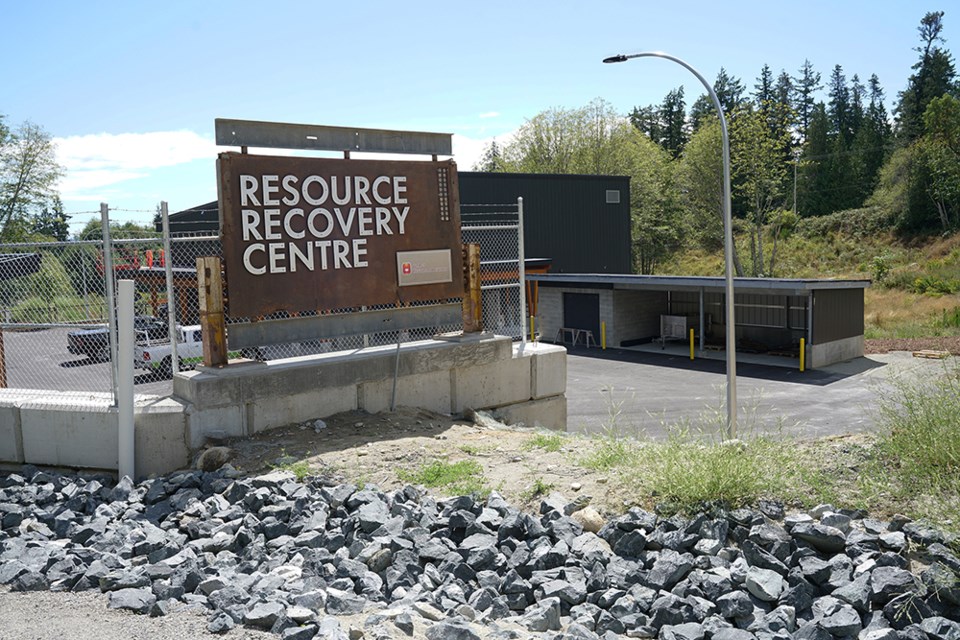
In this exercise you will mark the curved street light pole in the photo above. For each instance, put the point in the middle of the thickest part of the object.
(731, 345)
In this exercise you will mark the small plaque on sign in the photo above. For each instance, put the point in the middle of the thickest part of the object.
(424, 267)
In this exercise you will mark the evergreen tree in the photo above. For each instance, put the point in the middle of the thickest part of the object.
(52, 221)
(934, 76)
(781, 118)
(839, 106)
(813, 188)
(871, 142)
(647, 120)
(856, 104)
(763, 90)
(491, 161)
(805, 87)
(729, 90)
(673, 122)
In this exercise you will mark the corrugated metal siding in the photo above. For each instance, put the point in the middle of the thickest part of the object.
(837, 314)
(566, 217)
(750, 309)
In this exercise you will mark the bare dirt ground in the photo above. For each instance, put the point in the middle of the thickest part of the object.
(375, 449)
(942, 343)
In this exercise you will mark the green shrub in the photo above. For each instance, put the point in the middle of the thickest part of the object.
(38, 309)
(879, 268)
(931, 285)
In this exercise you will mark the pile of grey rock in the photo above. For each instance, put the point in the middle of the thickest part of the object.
(274, 553)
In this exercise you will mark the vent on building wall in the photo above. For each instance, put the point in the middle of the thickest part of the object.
(613, 196)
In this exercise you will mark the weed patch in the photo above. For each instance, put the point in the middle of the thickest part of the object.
(461, 477)
(917, 462)
(539, 488)
(545, 441)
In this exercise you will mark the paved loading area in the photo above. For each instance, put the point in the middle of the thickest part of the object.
(643, 392)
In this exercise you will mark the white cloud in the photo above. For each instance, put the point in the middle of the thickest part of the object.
(490, 114)
(95, 161)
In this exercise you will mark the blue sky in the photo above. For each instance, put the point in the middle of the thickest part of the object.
(130, 90)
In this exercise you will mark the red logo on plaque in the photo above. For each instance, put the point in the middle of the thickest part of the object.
(407, 270)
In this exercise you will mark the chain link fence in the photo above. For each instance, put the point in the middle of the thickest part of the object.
(54, 331)
(498, 230)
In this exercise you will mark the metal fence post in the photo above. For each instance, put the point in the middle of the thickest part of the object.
(111, 300)
(171, 292)
(521, 269)
(126, 434)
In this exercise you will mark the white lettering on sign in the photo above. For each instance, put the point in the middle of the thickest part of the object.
(286, 222)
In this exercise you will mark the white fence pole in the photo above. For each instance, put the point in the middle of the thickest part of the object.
(111, 299)
(125, 432)
(171, 292)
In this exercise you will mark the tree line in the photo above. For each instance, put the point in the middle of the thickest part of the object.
(794, 154)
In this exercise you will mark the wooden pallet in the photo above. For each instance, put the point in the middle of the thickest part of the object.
(931, 353)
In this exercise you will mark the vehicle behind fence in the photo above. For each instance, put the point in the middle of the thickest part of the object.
(54, 330)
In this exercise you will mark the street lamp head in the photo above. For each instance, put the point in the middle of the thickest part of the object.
(617, 58)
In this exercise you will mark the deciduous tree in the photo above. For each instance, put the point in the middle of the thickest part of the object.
(596, 140)
(28, 175)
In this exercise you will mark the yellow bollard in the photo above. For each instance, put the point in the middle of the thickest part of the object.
(691, 344)
(803, 353)
(603, 335)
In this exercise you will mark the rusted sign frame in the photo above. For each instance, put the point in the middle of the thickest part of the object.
(326, 327)
(285, 135)
(426, 217)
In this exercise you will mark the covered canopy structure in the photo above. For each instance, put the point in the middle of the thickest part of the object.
(771, 314)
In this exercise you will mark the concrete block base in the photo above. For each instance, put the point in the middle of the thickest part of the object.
(524, 383)
(549, 413)
(822, 355)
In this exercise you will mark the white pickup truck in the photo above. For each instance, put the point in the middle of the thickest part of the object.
(155, 355)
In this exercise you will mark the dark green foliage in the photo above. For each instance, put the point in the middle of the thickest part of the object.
(491, 161)
(934, 76)
(52, 221)
(805, 87)
(667, 124)
(729, 90)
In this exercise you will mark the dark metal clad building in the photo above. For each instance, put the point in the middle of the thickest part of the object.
(581, 222)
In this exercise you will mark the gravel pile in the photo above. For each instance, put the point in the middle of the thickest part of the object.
(273, 553)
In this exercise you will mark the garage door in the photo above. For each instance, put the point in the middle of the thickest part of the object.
(582, 311)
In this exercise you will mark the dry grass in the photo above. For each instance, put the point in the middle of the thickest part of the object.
(903, 314)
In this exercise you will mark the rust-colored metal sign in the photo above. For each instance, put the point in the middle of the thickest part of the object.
(323, 233)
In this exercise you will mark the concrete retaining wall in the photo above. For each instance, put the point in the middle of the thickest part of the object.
(523, 384)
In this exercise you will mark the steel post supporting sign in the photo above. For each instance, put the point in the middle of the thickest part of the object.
(322, 233)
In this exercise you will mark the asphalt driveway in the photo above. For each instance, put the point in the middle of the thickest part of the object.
(642, 393)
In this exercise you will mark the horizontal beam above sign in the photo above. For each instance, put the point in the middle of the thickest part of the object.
(306, 328)
(283, 135)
